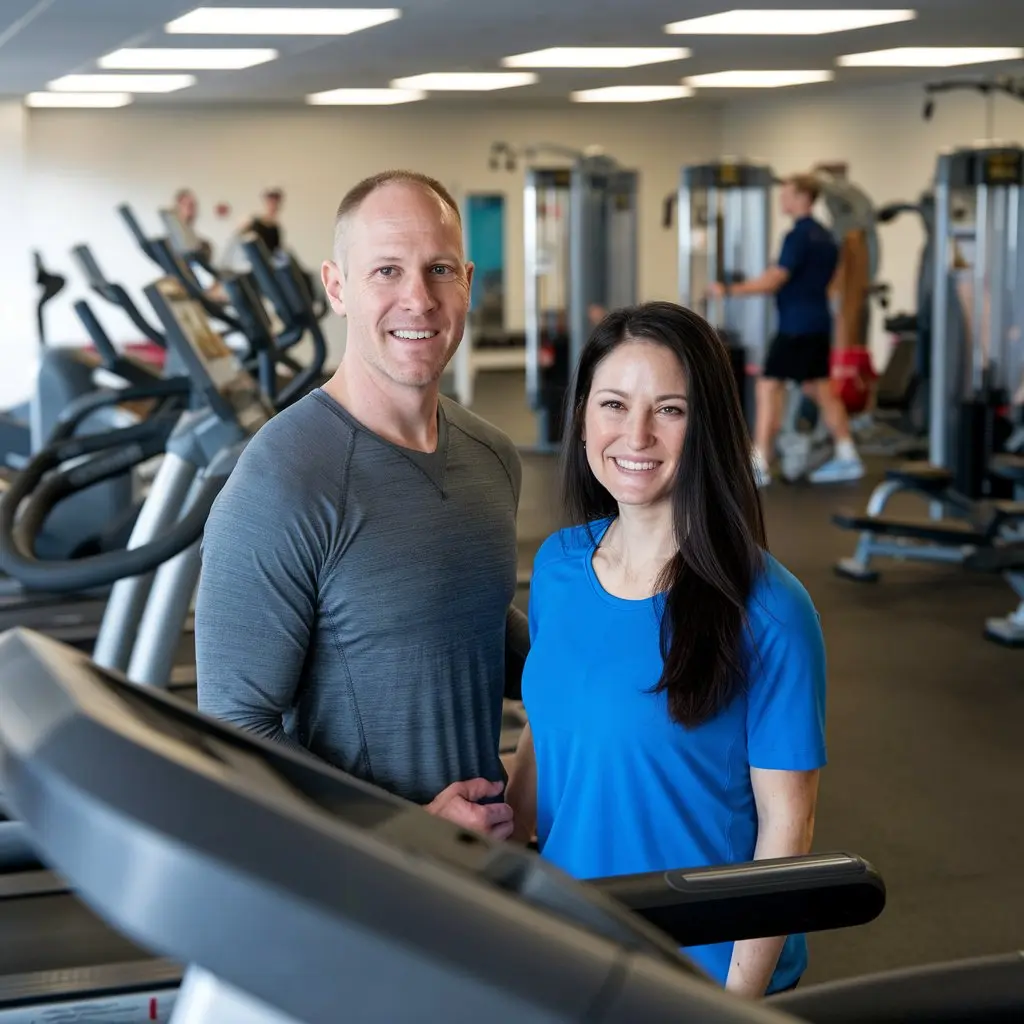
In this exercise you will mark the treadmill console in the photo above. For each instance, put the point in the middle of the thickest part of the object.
(214, 368)
(245, 849)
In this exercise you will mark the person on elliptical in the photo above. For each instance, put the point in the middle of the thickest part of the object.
(359, 566)
(801, 350)
(186, 206)
(267, 223)
(675, 684)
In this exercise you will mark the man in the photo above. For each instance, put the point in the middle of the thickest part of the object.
(267, 222)
(359, 566)
(801, 349)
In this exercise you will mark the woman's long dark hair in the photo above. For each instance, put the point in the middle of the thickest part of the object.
(716, 508)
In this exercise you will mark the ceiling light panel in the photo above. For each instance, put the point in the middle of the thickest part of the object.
(632, 94)
(596, 57)
(756, 79)
(786, 22)
(279, 21)
(459, 81)
(184, 59)
(78, 99)
(122, 83)
(364, 97)
(930, 56)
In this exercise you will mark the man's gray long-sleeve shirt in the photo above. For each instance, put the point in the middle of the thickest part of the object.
(354, 594)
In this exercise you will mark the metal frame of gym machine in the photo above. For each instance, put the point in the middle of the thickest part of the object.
(977, 359)
(580, 250)
(731, 202)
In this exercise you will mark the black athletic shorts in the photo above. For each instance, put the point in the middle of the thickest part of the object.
(799, 357)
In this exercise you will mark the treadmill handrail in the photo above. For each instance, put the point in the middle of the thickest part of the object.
(756, 899)
(985, 988)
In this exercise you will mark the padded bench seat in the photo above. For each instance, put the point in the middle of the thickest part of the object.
(1007, 511)
(940, 531)
(1009, 467)
(921, 474)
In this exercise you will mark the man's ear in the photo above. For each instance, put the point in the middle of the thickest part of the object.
(334, 286)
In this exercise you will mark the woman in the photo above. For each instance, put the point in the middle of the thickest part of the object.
(675, 685)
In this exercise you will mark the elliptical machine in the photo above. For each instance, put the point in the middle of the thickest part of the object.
(153, 577)
(59, 378)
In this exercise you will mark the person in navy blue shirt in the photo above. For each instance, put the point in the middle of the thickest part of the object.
(801, 349)
(675, 684)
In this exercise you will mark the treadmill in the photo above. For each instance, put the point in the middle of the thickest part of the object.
(116, 752)
(295, 894)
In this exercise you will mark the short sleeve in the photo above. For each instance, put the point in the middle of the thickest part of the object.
(786, 693)
(536, 586)
(549, 552)
(794, 250)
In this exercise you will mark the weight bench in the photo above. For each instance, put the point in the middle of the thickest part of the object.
(974, 525)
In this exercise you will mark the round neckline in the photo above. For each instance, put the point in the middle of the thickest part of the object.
(598, 586)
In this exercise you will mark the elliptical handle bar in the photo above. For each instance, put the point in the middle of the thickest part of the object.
(118, 452)
(114, 294)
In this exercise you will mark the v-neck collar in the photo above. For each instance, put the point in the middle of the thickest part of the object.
(433, 464)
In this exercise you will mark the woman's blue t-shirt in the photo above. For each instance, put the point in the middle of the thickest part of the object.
(623, 789)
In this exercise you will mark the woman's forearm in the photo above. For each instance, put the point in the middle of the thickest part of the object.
(754, 960)
(521, 791)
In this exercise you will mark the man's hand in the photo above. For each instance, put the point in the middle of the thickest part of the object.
(716, 290)
(458, 804)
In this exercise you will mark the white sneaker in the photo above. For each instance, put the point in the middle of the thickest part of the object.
(838, 471)
(762, 474)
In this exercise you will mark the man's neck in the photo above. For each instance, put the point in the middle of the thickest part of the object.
(405, 416)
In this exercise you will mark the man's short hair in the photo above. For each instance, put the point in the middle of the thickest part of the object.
(807, 184)
(182, 193)
(356, 195)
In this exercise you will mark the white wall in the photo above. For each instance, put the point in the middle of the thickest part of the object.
(889, 147)
(83, 163)
(17, 321)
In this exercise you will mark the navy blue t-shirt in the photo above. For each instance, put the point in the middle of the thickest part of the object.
(623, 789)
(810, 254)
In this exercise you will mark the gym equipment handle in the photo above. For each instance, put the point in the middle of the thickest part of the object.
(757, 899)
(17, 534)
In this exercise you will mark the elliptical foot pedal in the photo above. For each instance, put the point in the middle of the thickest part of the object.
(922, 475)
(851, 569)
